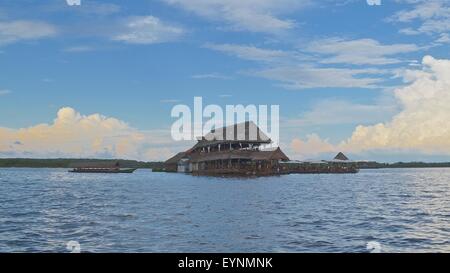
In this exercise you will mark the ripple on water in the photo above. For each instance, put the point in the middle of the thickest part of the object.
(404, 210)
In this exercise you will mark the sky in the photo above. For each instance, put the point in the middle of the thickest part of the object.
(99, 80)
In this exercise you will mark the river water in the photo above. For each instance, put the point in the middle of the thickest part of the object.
(398, 210)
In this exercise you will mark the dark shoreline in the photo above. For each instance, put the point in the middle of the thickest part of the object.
(402, 165)
(66, 162)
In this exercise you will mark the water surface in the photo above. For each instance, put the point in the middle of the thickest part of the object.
(405, 210)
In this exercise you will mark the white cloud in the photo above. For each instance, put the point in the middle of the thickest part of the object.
(435, 26)
(75, 135)
(87, 8)
(249, 52)
(148, 30)
(360, 51)
(433, 15)
(78, 49)
(422, 10)
(444, 38)
(98, 8)
(409, 31)
(312, 147)
(424, 122)
(210, 76)
(422, 125)
(340, 112)
(15, 31)
(48, 80)
(284, 67)
(4, 92)
(299, 77)
(249, 15)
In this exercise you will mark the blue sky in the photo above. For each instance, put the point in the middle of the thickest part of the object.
(331, 66)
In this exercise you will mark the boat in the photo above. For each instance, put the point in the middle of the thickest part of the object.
(92, 170)
(100, 167)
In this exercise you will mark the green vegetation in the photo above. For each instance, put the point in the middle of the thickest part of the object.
(376, 165)
(419, 165)
(65, 163)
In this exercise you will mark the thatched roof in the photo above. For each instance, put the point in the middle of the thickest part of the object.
(276, 154)
(246, 132)
(341, 156)
(175, 159)
(242, 132)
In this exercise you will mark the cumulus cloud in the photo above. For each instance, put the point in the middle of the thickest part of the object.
(421, 126)
(424, 122)
(148, 30)
(75, 135)
(311, 147)
(14, 31)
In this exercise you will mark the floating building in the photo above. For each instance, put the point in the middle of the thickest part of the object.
(237, 150)
(340, 164)
(233, 150)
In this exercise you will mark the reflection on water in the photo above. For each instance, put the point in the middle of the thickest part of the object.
(403, 210)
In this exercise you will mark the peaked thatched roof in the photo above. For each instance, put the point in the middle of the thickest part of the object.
(175, 159)
(276, 154)
(246, 131)
(341, 156)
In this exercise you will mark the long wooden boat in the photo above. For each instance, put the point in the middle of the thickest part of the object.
(99, 167)
(89, 170)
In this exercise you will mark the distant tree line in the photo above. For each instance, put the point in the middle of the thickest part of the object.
(66, 163)
(377, 165)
